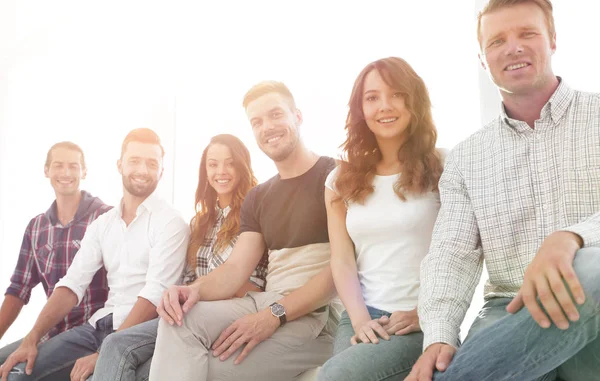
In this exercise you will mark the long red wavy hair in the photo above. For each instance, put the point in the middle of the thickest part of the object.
(421, 162)
(206, 198)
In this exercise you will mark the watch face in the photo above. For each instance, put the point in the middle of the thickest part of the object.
(277, 310)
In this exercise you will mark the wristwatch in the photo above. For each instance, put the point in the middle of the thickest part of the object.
(278, 311)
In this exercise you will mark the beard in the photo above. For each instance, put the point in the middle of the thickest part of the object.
(283, 152)
(139, 190)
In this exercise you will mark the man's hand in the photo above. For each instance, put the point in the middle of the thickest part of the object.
(401, 322)
(250, 330)
(436, 356)
(27, 352)
(368, 331)
(176, 301)
(545, 278)
(84, 367)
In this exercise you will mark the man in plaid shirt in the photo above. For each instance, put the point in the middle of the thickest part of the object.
(523, 194)
(52, 240)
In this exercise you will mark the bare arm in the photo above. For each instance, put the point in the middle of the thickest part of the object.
(316, 293)
(343, 262)
(60, 303)
(11, 307)
(224, 281)
(247, 287)
(142, 311)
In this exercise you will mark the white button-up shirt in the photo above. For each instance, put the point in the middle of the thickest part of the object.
(503, 191)
(141, 259)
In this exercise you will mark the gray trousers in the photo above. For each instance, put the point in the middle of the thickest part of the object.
(184, 352)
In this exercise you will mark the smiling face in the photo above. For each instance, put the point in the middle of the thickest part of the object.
(275, 125)
(65, 171)
(220, 171)
(517, 48)
(141, 168)
(384, 109)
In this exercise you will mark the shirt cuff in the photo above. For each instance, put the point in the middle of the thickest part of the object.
(23, 293)
(257, 282)
(71, 285)
(440, 331)
(152, 292)
(589, 233)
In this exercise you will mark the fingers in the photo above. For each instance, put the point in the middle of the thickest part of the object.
(225, 339)
(354, 340)
(445, 357)
(568, 274)
(30, 363)
(379, 330)
(247, 349)
(516, 304)
(423, 368)
(174, 308)
(408, 329)
(189, 303)
(565, 302)
(233, 346)
(529, 292)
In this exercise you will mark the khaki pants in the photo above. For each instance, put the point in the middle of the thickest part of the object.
(183, 353)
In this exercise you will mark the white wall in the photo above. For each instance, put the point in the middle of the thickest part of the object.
(89, 72)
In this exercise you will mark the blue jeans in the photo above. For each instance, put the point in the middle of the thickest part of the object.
(502, 346)
(57, 356)
(127, 354)
(387, 360)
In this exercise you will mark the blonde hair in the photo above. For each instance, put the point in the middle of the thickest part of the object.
(494, 5)
(266, 87)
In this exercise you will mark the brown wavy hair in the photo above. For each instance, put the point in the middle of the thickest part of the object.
(421, 162)
(206, 198)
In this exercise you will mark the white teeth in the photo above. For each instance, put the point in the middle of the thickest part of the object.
(387, 120)
(222, 181)
(273, 139)
(516, 66)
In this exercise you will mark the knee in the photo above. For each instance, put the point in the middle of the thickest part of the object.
(332, 371)
(112, 345)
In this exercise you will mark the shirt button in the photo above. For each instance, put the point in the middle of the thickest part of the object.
(545, 206)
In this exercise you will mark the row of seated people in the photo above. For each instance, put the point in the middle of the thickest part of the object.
(398, 228)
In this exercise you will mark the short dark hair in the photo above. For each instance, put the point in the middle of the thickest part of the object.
(67, 145)
(142, 135)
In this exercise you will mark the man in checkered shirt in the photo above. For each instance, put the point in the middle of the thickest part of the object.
(523, 193)
(52, 240)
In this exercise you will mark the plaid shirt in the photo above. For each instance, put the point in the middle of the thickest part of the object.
(207, 259)
(47, 251)
(503, 191)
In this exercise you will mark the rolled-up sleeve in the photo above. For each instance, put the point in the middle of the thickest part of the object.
(588, 230)
(166, 259)
(86, 263)
(26, 276)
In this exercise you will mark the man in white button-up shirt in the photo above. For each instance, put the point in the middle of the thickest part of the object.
(523, 193)
(141, 243)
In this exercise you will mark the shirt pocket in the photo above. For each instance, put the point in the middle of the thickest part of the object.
(582, 192)
(54, 260)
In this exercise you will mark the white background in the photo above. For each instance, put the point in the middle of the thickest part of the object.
(91, 71)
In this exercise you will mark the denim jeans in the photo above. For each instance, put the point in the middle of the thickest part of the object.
(502, 346)
(127, 354)
(56, 356)
(8, 350)
(387, 360)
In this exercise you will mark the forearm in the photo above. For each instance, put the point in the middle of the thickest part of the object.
(142, 311)
(316, 293)
(221, 283)
(11, 307)
(247, 287)
(60, 303)
(348, 288)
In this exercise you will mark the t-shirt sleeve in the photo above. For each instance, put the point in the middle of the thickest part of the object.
(330, 181)
(248, 217)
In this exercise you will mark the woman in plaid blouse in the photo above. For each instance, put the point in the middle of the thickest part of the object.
(225, 177)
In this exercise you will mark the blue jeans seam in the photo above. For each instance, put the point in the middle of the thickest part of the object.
(128, 353)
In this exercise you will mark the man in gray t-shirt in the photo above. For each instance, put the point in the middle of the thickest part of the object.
(279, 330)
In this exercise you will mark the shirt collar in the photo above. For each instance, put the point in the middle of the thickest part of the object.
(555, 108)
(222, 213)
(150, 204)
(52, 213)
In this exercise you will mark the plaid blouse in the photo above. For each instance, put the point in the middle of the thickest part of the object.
(208, 259)
(47, 250)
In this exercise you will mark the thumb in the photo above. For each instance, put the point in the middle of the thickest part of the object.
(30, 363)
(189, 303)
(444, 357)
(384, 319)
(516, 304)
